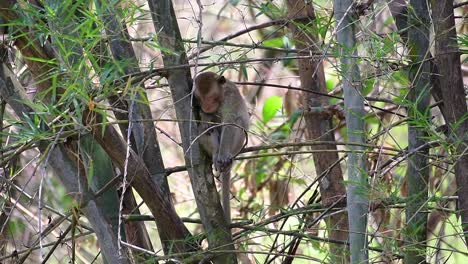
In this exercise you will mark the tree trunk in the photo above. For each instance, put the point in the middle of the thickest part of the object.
(417, 173)
(319, 126)
(357, 201)
(447, 60)
(68, 173)
(143, 134)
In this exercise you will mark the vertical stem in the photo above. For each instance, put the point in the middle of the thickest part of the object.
(417, 172)
(319, 126)
(447, 59)
(357, 200)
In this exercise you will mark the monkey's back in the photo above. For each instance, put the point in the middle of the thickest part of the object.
(234, 108)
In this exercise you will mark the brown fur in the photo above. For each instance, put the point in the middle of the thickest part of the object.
(221, 102)
(209, 91)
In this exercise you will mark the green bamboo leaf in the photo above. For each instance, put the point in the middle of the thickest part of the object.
(90, 170)
(272, 105)
(274, 42)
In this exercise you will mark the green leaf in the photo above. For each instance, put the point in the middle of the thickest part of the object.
(287, 43)
(330, 85)
(294, 117)
(279, 135)
(270, 10)
(260, 176)
(368, 86)
(244, 71)
(37, 59)
(401, 78)
(274, 42)
(271, 107)
(90, 170)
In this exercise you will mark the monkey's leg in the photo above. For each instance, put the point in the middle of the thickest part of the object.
(214, 142)
(209, 139)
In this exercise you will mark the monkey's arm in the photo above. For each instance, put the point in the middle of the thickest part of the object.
(214, 144)
(209, 140)
(231, 141)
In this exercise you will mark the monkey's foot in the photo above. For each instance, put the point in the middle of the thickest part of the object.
(223, 163)
(216, 172)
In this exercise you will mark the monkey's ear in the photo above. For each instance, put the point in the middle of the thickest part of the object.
(221, 80)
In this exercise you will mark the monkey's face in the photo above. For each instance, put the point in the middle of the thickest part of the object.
(209, 91)
(211, 101)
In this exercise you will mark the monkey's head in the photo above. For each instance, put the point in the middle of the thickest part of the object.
(209, 91)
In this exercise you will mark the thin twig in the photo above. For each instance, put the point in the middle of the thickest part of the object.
(57, 242)
(44, 169)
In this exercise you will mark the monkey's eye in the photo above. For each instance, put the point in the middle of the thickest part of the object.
(221, 80)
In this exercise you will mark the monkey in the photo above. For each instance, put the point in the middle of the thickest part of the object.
(221, 102)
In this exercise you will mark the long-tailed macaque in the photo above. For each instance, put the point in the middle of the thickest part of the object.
(221, 102)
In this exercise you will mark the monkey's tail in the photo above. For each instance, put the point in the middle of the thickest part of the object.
(226, 194)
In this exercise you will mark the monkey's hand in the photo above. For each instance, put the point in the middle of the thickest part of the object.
(223, 162)
(206, 128)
